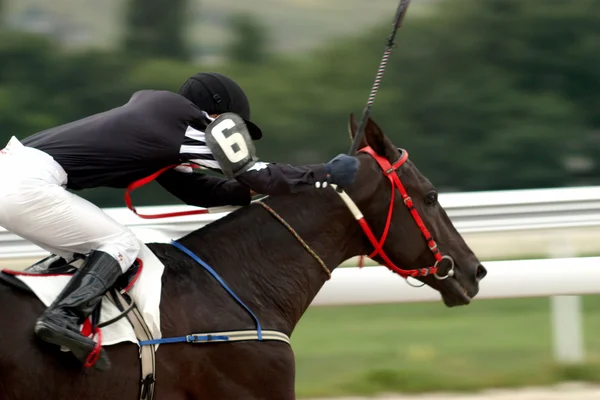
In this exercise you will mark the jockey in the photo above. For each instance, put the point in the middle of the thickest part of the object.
(207, 123)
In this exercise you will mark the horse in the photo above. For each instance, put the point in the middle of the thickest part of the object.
(275, 256)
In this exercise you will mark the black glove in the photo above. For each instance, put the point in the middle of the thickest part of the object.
(342, 170)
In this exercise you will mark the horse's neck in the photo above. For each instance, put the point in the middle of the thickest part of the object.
(276, 275)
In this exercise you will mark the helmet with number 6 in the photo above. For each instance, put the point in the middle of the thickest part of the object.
(216, 93)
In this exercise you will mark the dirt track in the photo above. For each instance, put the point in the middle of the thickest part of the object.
(560, 392)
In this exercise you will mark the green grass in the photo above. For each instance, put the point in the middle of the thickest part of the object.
(427, 347)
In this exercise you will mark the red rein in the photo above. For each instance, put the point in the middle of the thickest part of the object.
(144, 181)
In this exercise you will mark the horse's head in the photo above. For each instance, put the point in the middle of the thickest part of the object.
(401, 208)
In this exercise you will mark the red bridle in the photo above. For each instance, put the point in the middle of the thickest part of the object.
(389, 171)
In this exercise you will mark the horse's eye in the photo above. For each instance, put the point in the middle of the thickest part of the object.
(431, 198)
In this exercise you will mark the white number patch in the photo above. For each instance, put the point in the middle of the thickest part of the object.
(234, 146)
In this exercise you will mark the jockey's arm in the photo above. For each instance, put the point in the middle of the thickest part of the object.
(275, 178)
(224, 145)
(197, 189)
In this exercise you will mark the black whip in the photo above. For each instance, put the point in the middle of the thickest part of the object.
(399, 18)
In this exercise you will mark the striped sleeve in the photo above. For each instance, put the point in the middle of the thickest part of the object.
(195, 151)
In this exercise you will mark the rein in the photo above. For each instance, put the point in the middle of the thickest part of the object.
(302, 242)
(144, 181)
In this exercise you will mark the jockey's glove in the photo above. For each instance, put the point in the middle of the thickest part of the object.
(342, 170)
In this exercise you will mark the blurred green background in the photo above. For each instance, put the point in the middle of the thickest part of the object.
(498, 94)
(484, 94)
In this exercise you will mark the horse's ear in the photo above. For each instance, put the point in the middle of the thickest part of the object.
(375, 137)
(352, 127)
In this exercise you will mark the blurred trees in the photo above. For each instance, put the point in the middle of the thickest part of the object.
(493, 89)
(499, 94)
(249, 44)
(156, 28)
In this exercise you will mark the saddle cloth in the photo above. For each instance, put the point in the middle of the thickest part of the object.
(145, 292)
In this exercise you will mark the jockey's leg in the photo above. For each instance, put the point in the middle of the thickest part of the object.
(35, 205)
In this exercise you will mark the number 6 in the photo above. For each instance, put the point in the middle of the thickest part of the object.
(227, 143)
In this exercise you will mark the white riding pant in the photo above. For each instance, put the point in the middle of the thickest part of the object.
(35, 205)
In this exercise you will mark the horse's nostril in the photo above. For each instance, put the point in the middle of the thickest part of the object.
(480, 272)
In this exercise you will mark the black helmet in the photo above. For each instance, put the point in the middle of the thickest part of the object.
(216, 93)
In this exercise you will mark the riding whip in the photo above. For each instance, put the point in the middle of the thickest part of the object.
(398, 19)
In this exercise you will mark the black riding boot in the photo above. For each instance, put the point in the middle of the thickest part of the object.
(60, 323)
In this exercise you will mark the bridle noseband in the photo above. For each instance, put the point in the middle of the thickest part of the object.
(389, 171)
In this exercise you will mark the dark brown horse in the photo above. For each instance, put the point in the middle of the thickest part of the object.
(264, 264)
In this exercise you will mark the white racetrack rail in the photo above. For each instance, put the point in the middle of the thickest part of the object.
(471, 212)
